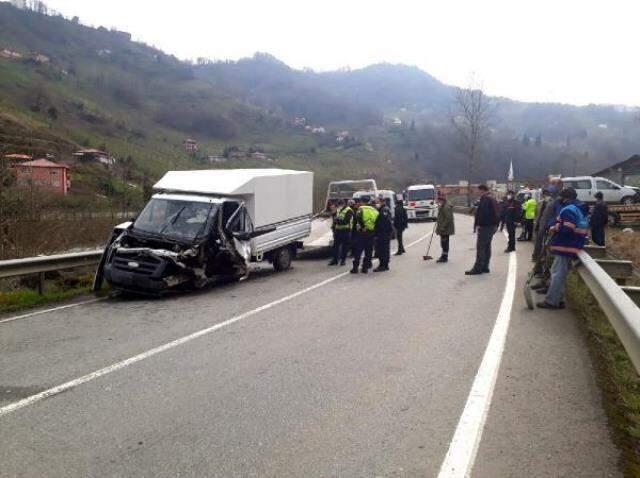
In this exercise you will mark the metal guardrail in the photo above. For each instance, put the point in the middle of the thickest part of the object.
(42, 264)
(616, 302)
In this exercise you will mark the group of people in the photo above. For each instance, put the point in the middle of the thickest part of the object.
(558, 224)
(364, 227)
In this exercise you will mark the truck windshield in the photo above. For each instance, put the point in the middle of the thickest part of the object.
(181, 220)
(421, 194)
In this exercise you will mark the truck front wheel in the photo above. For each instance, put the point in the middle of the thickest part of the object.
(627, 200)
(282, 259)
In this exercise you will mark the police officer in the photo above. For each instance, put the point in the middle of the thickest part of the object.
(364, 226)
(383, 231)
(342, 225)
(529, 212)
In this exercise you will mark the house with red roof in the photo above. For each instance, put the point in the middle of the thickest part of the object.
(43, 174)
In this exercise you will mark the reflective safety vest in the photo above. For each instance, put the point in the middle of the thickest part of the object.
(369, 214)
(341, 215)
(530, 209)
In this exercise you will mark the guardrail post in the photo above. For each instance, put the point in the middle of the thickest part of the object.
(633, 293)
(41, 283)
(618, 270)
(597, 252)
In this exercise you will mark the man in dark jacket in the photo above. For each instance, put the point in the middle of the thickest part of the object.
(445, 227)
(400, 222)
(599, 219)
(485, 225)
(509, 215)
(383, 231)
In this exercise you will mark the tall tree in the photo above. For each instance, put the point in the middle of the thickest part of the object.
(470, 118)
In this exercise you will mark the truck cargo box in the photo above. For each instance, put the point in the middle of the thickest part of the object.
(270, 195)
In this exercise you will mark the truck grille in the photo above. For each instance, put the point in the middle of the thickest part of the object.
(145, 265)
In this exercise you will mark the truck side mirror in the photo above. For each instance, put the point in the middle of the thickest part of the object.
(242, 236)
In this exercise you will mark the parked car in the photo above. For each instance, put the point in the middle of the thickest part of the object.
(588, 186)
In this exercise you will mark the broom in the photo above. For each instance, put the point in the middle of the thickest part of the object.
(427, 257)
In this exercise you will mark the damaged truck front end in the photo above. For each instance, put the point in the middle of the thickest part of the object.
(177, 241)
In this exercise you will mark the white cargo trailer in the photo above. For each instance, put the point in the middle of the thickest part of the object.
(206, 225)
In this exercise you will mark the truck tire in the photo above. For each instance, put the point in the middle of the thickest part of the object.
(627, 200)
(282, 259)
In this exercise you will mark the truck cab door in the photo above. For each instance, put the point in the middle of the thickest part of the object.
(240, 228)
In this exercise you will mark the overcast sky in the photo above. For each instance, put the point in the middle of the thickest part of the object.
(570, 51)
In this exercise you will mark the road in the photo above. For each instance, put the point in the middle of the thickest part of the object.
(313, 372)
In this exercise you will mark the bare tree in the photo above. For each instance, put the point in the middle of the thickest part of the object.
(470, 117)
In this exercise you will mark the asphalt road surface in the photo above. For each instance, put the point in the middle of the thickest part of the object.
(420, 371)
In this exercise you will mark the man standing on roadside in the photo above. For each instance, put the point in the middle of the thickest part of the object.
(342, 225)
(568, 238)
(485, 225)
(383, 231)
(400, 222)
(445, 227)
(599, 219)
(509, 214)
(539, 230)
(529, 211)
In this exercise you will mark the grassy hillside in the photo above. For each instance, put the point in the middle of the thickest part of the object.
(74, 86)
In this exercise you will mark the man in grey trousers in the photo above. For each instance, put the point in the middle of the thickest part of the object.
(486, 222)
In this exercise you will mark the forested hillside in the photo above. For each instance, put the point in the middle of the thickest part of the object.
(64, 86)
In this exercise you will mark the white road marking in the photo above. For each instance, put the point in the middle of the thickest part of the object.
(464, 446)
(46, 311)
(12, 407)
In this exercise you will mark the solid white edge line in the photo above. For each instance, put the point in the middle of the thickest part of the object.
(464, 446)
(12, 407)
(46, 311)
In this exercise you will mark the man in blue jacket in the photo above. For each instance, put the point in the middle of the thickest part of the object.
(568, 237)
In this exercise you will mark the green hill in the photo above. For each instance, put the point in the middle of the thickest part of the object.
(65, 86)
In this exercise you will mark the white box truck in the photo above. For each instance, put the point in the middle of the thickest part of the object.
(203, 226)
(421, 202)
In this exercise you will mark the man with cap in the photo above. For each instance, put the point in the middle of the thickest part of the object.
(342, 225)
(364, 235)
(568, 236)
(445, 227)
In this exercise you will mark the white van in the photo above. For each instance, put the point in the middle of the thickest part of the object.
(421, 202)
(588, 186)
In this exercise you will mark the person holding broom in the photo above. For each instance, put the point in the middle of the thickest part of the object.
(445, 227)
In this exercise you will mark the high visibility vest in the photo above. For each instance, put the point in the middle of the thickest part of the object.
(530, 209)
(340, 216)
(369, 215)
